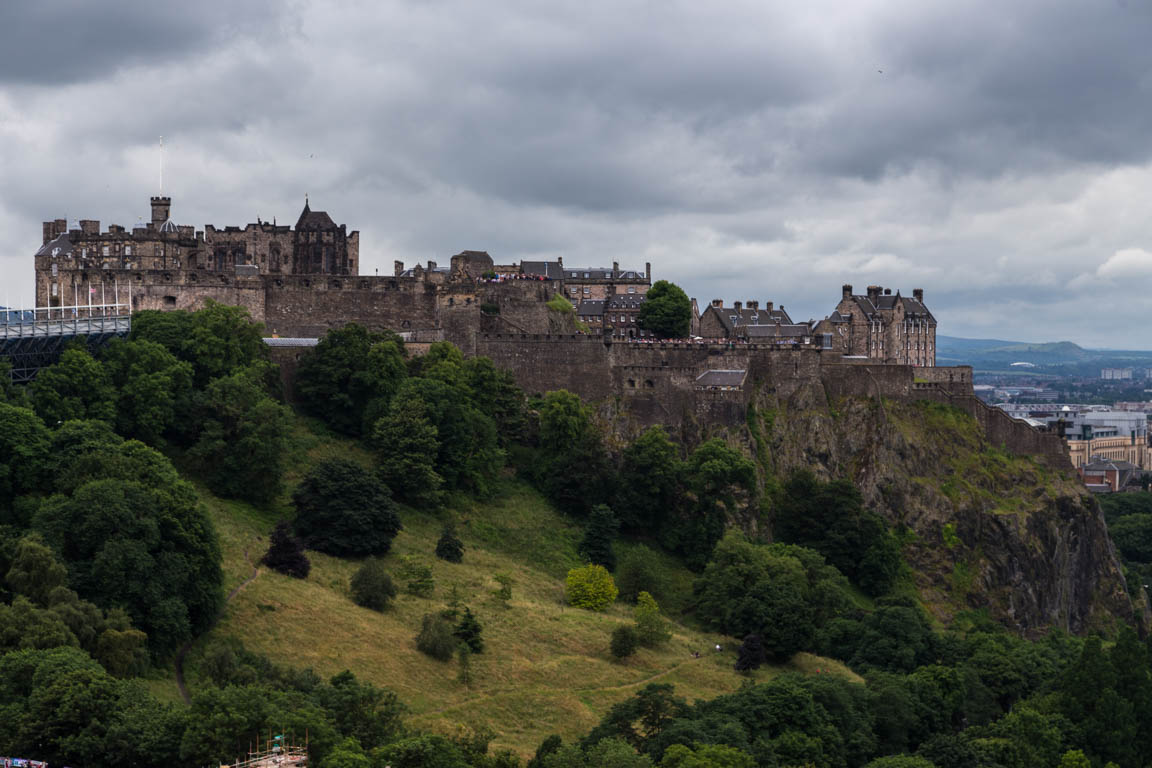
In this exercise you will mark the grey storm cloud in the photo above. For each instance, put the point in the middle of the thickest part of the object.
(996, 154)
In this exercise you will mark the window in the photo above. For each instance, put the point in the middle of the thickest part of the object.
(587, 290)
(631, 289)
(127, 250)
(104, 251)
(586, 274)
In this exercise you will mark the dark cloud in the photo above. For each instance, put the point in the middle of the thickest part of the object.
(1000, 159)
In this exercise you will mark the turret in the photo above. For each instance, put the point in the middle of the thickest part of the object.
(161, 207)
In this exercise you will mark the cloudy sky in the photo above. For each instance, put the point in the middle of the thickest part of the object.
(999, 155)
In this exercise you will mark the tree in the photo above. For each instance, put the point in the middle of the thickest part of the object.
(152, 385)
(574, 471)
(372, 587)
(23, 453)
(900, 761)
(407, 445)
(666, 312)
(651, 629)
(35, 571)
(624, 641)
(436, 638)
(448, 546)
(590, 587)
(346, 754)
(244, 438)
(342, 509)
(751, 654)
(285, 553)
(464, 660)
(720, 478)
(1133, 537)
(639, 571)
(468, 631)
(417, 576)
(706, 756)
(504, 592)
(218, 340)
(596, 545)
(495, 391)
(134, 535)
(76, 387)
(350, 370)
(650, 477)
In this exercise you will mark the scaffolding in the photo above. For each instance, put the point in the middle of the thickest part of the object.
(276, 752)
(32, 339)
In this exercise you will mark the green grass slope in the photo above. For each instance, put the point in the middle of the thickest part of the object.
(546, 667)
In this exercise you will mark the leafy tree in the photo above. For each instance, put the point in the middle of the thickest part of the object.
(285, 553)
(751, 654)
(1074, 758)
(372, 587)
(900, 761)
(625, 641)
(651, 629)
(590, 587)
(342, 509)
(666, 311)
(650, 478)
(639, 571)
(494, 390)
(574, 470)
(830, 518)
(371, 715)
(244, 439)
(35, 571)
(137, 538)
(407, 445)
(23, 453)
(350, 369)
(346, 754)
(217, 340)
(719, 477)
(468, 631)
(436, 638)
(423, 751)
(76, 387)
(1133, 537)
(596, 545)
(547, 747)
(706, 756)
(448, 546)
(151, 385)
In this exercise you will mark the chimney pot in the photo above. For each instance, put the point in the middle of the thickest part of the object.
(737, 305)
(847, 291)
(752, 304)
(768, 306)
(918, 294)
(717, 302)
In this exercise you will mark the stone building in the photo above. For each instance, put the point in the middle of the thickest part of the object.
(734, 322)
(72, 260)
(882, 326)
(591, 283)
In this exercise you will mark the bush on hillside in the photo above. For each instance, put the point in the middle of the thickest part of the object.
(651, 629)
(590, 587)
(436, 638)
(285, 553)
(343, 509)
(639, 571)
(624, 641)
(449, 547)
(372, 587)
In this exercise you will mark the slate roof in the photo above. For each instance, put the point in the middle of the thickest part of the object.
(590, 308)
(775, 330)
(888, 302)
(722, 378)
(62, 242)
(312, 220)
(1119, 466)
(625, 301)
(549, 269)
(749, 317)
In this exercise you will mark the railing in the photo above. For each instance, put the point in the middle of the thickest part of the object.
(80, 320)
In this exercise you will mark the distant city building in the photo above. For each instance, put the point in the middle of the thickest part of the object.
(1116, 373)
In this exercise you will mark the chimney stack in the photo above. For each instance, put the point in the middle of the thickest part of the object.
(615, 269)
(873, 293)
(648, 271)
(737, 305)
(918, 294)
(717, 303)
(887, 291)
(398, 267)
(768, 306)
(753, 304)
(847, 291)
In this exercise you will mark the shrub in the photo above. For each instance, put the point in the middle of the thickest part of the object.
(596, 545)
(590, 587)
(651, 629)
(417, 576)
(372, 587)
(285, 553)
(751, 654)
(638, 572)
(436, 638)
(624, 641)
(449, 547)
(504, 593)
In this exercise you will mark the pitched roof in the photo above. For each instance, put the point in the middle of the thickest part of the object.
(60, 246)
(312, 220)
(625, 301)
(590, 308)
(722, 378)
(777, 329)
(731, 318)
(549, 269)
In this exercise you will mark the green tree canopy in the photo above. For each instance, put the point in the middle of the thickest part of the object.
(407, 445)
(650, 478)
(350, 369)
(666, 311)
(599, 533)
(23, 453)
(343, 509)
(76, 387)
(152, 387)
(217, 340)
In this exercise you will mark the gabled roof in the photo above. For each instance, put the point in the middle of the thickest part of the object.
(625, 301)
(749, 317)
(549, 269)
(314, 220)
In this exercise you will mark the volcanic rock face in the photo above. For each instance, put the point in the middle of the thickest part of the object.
(985, 530)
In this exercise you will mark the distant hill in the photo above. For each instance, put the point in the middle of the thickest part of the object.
(1057, 357)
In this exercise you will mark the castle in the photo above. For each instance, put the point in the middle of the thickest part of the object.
(304, 280)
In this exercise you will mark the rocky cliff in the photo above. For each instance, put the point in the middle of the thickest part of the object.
(986, 530)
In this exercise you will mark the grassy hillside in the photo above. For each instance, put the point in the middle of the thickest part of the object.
(546, 668)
